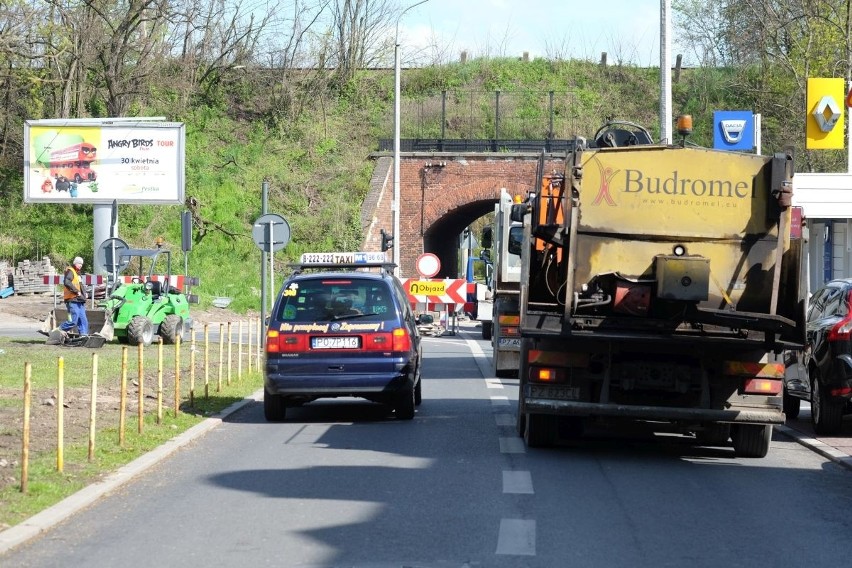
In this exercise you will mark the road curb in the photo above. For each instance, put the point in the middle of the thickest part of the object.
(50, 517)
(817, 446)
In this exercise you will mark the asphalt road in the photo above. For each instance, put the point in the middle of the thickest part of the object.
(342, 484)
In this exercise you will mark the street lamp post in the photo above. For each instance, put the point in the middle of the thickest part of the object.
(396, 188)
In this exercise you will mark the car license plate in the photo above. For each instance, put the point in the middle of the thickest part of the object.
(341, 342)
(556, 392)
(510, 342)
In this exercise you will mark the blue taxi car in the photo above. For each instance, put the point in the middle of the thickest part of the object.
(342, 327)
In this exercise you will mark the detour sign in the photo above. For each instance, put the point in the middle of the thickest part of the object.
(426, 288)
(447, 291)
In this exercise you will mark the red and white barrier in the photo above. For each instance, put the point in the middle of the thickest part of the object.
(176, 280)
(88, 279)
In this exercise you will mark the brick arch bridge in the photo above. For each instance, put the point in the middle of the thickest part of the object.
(441, 193)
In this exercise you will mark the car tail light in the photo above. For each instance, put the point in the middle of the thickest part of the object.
(398, 340)
(272, 336)
(401, 340)
(377, 342)
(841, 391)
(762, 386)
(842, 330)
(277, 342)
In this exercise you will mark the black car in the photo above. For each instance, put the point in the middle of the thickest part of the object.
(822, 373)
(339, 329)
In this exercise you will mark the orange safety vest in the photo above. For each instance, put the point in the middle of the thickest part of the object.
(68, 294)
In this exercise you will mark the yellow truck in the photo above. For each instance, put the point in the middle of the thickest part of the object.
(661, 284)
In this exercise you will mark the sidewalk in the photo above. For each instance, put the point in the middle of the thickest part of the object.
(836, 448)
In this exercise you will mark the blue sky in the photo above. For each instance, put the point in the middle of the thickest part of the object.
(627, 30)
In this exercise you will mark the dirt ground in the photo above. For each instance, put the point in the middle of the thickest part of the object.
(43, 430)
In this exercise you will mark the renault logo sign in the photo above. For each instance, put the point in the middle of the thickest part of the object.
(826, 113)
(732, 130)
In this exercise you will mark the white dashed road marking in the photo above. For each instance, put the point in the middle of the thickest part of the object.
(504, 419)
(516, 537)
(513, 445)
(517, 482)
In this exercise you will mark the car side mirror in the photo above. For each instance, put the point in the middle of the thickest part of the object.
(425, 319)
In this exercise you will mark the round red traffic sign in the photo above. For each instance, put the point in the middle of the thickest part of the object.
(428, 265)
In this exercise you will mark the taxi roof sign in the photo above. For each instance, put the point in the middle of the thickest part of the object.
(332, 258)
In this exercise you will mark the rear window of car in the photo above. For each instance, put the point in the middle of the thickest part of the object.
(331, 299)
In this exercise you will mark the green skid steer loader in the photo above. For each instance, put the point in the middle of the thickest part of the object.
(135, 313)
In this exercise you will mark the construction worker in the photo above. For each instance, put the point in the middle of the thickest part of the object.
(74, 295)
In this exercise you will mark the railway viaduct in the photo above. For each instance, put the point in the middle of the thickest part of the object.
(441, 193)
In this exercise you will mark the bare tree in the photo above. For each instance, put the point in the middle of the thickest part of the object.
(212, 36)
(359, 29)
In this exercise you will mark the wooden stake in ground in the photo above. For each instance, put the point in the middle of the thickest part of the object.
(177, 375)
(60, 415)
(25, 439)
(260, 341)
(248, 349)
(94, 407)
(221, 357)
(192, 368)
(240, 350)
(140, 411)
(159, 380)
(206, 360)
(230, 342)
(122, 405)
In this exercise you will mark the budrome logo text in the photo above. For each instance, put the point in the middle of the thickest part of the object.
(635, 181)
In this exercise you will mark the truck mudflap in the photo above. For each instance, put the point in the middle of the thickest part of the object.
(576, 408)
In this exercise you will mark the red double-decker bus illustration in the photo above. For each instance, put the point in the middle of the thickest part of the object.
(74, 162)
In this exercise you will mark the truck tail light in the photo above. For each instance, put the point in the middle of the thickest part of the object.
(762, 386)
(758, 377)
(546, 374)
(509, 320)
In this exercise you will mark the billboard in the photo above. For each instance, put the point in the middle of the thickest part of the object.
(88, 161)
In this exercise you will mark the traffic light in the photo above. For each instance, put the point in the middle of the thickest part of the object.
(387, 240)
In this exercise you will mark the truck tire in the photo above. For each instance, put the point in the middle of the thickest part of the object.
(751, 440)
(826, 414)
(486, 330)
(540, 430)
(274, 409)
(791, 405)
(140, 330)
(171, 328)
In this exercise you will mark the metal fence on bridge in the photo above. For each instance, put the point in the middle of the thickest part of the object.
(487, 121)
